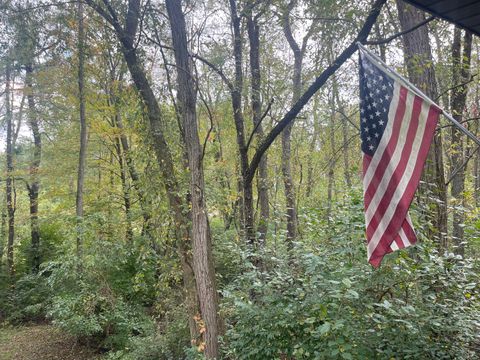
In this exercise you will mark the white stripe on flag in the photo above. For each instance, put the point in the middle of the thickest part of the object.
(404, 237)
(394, 246)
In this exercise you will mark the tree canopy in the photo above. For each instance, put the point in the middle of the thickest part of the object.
(183, 180)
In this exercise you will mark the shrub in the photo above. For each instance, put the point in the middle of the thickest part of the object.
(324, 301)
(85, 305)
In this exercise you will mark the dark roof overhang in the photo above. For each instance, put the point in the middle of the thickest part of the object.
(464, 13)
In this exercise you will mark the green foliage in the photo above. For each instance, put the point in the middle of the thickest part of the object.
(125, 293)
(28, 300)
(30, 296)
(87, 306)
(102, 299)
(51, 241)
(319, 304)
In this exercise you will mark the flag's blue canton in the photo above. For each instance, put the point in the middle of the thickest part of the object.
(376, 89)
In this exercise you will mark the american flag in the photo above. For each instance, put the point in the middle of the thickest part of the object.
(397, 127)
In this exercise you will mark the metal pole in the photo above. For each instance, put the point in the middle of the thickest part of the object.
(416, 90)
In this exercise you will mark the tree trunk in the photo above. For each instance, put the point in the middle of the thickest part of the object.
(126, 35)
(165, 163)
(262, 179)
(290, 202)
(460, 74)
(312, 147)
(236, 95)
(34, 187)
(476, 161)
(331, 163)
(147, 228)
(9, 180)
(83, 130)
(125, 190)
(3, 231)
(203, 262)
(346, 158)
(476, 176)
(419, 61)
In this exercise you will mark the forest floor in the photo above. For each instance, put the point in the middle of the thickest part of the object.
(41, 342)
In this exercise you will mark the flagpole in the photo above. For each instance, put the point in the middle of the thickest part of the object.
(419, 92)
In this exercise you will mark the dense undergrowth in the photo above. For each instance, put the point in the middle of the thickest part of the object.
(319, 301)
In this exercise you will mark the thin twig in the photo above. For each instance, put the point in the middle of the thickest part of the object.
(461, 122)
(210, 117)
(394, 36)
(457, 170)
(348, 118)
(456, 86)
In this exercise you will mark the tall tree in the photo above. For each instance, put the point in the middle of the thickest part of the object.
(83, 127)
(419, 61)
(460, 75)
(9, 157)
(298, 56)
(126, 34)
(34, 186)
(253, 28)
(203, 263)
(236, 89)
(331, 135)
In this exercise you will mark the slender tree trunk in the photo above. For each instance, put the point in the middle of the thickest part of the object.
(381, 47)
(288, 186)
(476, 160)
(9, 180)
(128, 162)
(460, 74)
(331, 164)
(419, 60)
(346, 158)
(3, 230)
(203, 262)
(125, 162)
(476, 176)
(236, 95)
(312, 147)
(125, 190)
(34, 187)
(290, 202)
(262, 179)
(83, 129)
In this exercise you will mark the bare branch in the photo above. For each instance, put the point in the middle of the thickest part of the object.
(394, 36)
(457, 170)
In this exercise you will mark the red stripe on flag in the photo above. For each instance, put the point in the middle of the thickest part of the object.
(367, 159)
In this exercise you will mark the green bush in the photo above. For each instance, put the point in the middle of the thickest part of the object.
(28, 300)
(324, 301)
(86, 305)
(99, 319)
